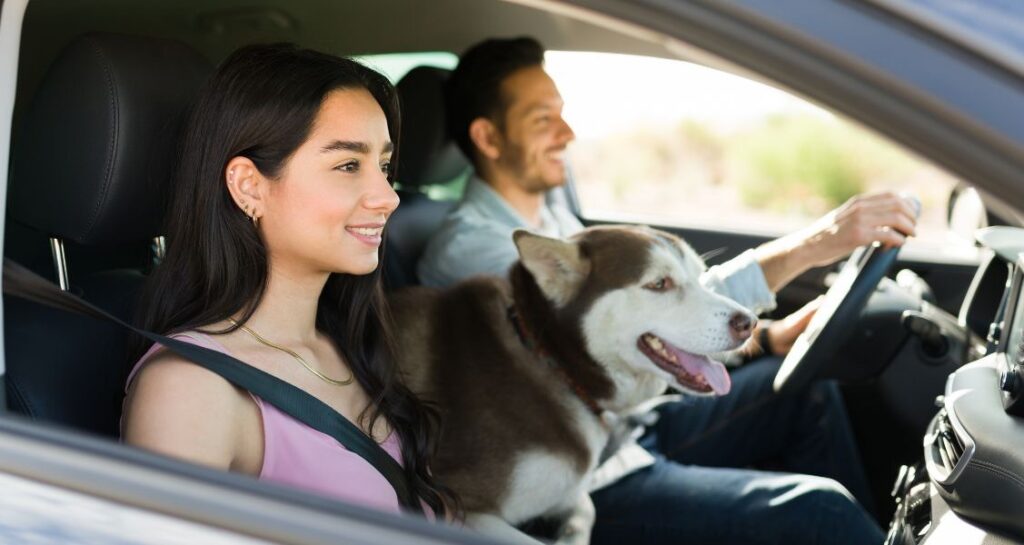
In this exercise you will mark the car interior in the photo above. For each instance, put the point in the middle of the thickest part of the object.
(101, 89)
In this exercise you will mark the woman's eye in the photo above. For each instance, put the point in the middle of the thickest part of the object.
(662, 284)
(385, 167)
(350, 166)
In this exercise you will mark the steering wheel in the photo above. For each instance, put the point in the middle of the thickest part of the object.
(832, 325)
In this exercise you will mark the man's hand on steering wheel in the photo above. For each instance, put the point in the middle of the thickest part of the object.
(886, 217)
(783, 333)
(874, 227)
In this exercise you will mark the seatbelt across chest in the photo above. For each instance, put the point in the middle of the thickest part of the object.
(291, 400)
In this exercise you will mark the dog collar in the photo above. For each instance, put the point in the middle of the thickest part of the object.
(531, 343)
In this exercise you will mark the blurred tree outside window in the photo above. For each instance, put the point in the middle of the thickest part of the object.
(674, 143)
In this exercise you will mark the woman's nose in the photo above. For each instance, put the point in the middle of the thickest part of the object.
(382, 197)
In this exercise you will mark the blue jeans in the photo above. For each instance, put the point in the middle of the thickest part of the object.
(698, 493)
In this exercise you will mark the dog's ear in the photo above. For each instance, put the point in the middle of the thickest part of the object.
(556, 265)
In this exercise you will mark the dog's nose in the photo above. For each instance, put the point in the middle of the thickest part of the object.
(741, 325)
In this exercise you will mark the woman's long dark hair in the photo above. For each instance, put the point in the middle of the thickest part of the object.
(261, 104)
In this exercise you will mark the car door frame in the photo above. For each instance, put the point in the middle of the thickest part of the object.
(739, 31)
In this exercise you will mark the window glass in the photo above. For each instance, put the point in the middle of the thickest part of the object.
(674, 143)
(396, 65)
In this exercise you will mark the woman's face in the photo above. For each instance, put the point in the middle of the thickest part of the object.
(326, 212)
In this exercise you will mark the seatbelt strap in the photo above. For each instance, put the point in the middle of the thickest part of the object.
(291, 400)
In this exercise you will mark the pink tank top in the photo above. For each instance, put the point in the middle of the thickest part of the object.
(295, 454)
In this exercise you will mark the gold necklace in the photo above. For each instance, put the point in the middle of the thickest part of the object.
(292, 353)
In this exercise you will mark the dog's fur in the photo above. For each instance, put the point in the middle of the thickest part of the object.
(517, 442)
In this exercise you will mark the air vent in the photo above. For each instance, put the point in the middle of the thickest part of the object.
(947, 447)
(950, 448)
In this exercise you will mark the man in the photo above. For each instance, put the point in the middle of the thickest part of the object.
(505, 114)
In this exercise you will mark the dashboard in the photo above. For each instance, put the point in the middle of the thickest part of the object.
(969, 488)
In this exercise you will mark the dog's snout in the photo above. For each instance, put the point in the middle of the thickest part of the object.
(741, 326)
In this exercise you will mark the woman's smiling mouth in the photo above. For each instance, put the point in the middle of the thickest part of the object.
(369, 234)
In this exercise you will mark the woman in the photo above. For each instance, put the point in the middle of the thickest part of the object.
(275, 236)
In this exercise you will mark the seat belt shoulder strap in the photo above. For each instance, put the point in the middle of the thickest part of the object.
(291, 400)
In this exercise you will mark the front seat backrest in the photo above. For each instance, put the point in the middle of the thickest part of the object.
(90, 166)
(427, 156)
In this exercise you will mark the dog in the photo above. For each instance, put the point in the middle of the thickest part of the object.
(532, 373)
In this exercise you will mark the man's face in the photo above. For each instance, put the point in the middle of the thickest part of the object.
(534, 135)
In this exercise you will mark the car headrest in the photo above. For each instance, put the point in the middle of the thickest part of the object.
(98, 140)
(427, 154)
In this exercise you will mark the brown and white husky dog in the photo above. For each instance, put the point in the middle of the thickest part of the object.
(530, 372)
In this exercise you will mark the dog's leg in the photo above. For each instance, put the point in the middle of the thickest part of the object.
(495, 526)
(576, 529)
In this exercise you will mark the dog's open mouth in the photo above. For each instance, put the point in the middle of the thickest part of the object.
(692, 371)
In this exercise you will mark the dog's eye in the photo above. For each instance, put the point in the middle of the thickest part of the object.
(662, 284)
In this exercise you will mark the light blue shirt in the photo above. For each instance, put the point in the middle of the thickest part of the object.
(476, 239)
(476, 236)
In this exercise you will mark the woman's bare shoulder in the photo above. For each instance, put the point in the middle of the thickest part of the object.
(181, 409)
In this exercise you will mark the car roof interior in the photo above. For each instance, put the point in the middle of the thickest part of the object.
(349, 28)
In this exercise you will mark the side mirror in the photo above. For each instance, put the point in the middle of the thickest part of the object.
(966, 212)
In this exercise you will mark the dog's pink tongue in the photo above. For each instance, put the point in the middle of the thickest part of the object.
(702, 366)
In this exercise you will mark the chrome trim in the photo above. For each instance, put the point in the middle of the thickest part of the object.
(159, 249)
(60, 262)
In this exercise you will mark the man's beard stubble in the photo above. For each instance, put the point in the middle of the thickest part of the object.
(514, 160)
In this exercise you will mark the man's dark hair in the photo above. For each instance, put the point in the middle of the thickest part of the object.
(474, 87)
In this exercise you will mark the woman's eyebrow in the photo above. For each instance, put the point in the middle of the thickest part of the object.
(345, 145)
(357, 147)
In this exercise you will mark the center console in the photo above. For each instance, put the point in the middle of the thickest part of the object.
(970, 486)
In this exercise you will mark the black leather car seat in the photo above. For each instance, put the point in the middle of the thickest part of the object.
(427, 156)
(90, 167)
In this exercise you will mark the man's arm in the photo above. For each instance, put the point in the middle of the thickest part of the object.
(885, 217)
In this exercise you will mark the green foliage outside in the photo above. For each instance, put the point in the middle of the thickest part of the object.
(808, 165)
(451, 190)
(797, 166)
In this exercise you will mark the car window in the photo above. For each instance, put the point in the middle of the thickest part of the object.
(674, 143)
(396, 65)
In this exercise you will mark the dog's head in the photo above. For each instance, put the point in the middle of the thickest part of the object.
(642, 312)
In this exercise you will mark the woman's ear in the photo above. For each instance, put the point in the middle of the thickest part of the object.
(245, 183)
(486, 138)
